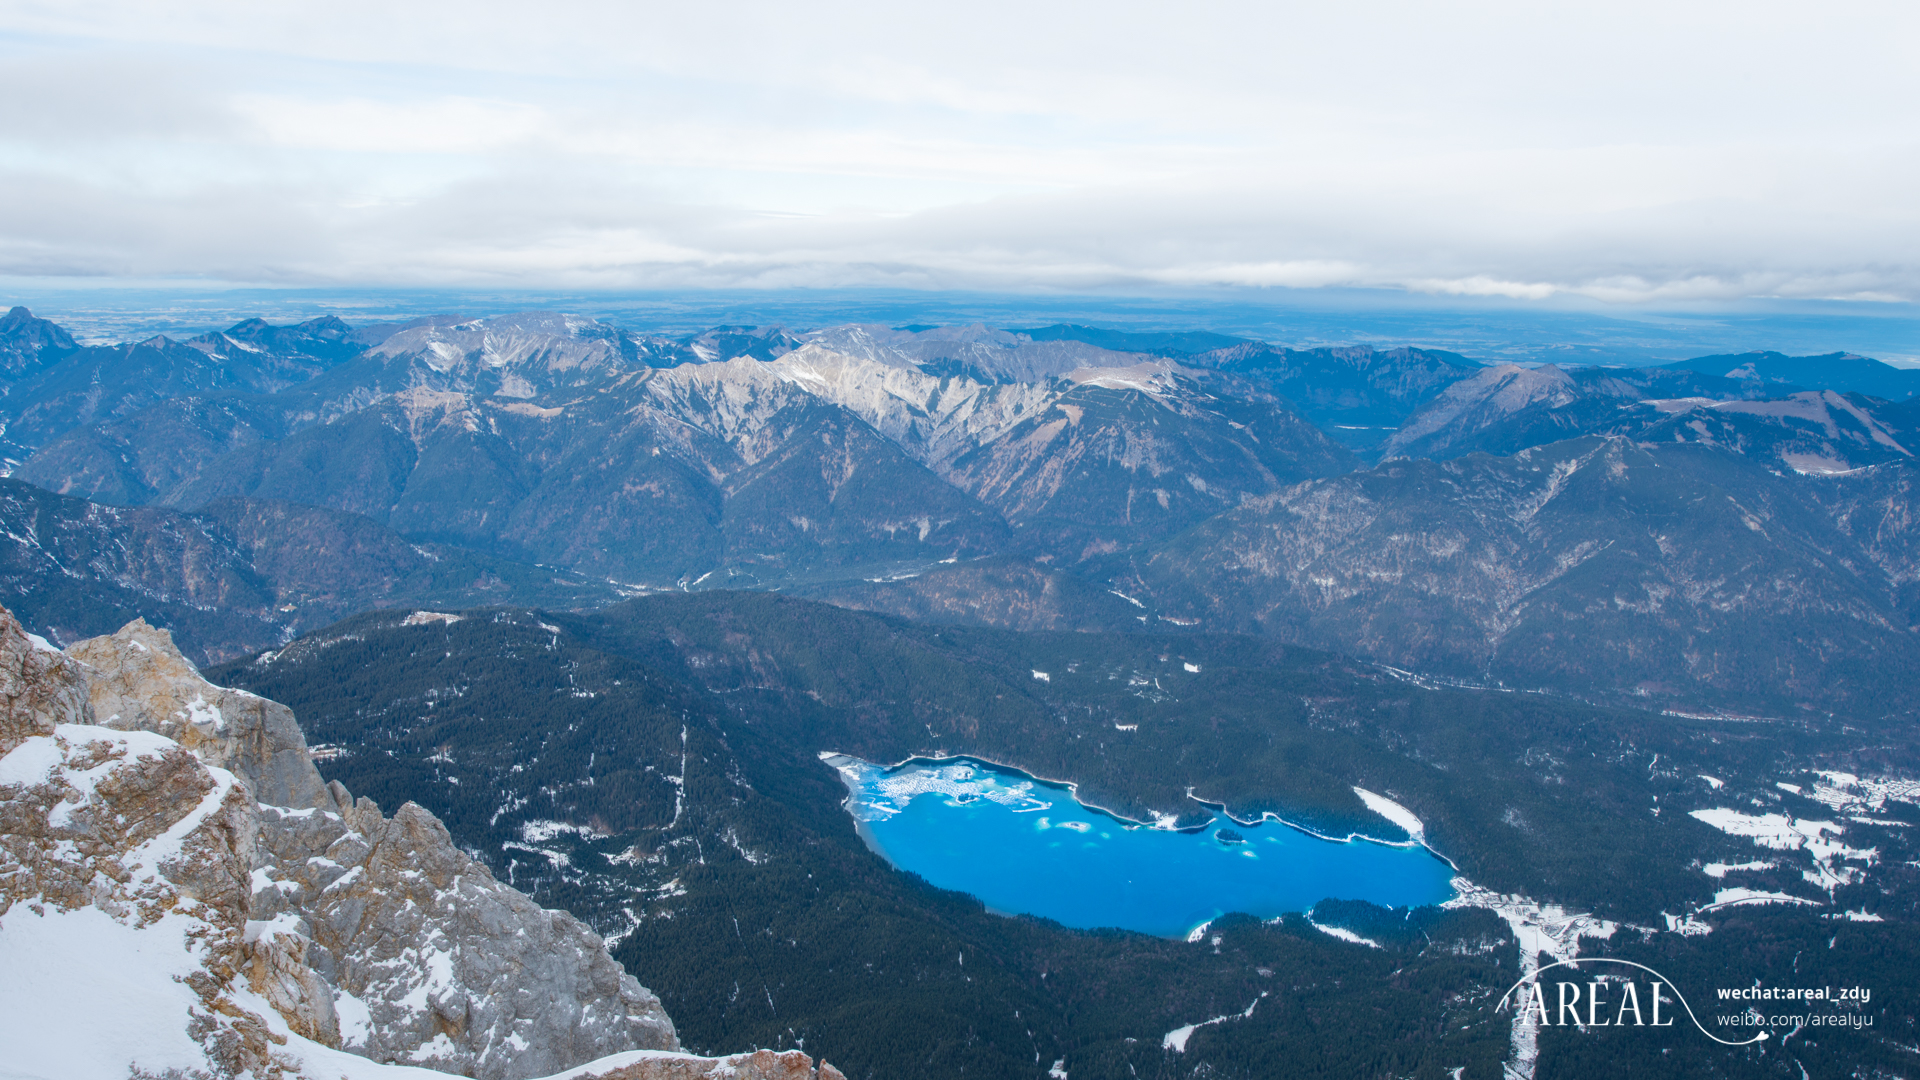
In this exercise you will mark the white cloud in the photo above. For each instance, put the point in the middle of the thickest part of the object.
(446, 125)
(1629, 152)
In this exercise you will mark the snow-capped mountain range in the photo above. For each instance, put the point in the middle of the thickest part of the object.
(961, 471)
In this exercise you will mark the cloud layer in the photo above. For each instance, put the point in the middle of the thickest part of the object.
(1626, 152)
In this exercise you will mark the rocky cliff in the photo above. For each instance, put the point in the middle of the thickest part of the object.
(125, 866)
(158, 918)
(430, 960)
(138, 681)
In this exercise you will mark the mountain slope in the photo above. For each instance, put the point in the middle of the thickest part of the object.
(153, 454)
(1128, 454)
(100, 384)
(162, 921)
(238, 576)
(1358, 394)
(975, 352)
(1846, 373)
(1506, 409)
(837, 492)
(1821, 433)
(28, 345)
(550, 439)
(1598, 565)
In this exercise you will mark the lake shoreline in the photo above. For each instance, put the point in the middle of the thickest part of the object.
(1219, 808)
(966, 841)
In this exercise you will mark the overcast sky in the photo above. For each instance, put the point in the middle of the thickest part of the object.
(1631, 152)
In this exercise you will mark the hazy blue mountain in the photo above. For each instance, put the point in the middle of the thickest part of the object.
(152, 455)
(1818, 433)
(103, 384)
(358, 463)
(1359, 395)
(1505, 409)
(1844, 372)
(325, 341)
(729, 342)
(28, 345)
(1171, 344)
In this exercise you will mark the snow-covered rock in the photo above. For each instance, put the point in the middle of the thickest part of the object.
(39, 686)
(758, 1065)
(433, 961)
(157, 919)
(124, 871)
(138, 681)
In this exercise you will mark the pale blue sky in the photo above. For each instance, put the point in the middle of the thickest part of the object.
(1628, 152)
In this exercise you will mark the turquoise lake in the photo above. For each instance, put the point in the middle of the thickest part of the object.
(1026, 846)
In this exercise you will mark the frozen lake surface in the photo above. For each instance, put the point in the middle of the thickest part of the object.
(1026, 846)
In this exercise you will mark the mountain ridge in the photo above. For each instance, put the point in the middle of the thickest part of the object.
(848, 463)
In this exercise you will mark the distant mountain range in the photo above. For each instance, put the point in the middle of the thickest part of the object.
(1724, 532)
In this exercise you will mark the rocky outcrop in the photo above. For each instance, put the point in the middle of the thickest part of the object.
(759, 1065)
(39, 686)
(433, 961)
(374, 934)
(306, 927)
(111, 835)
(138, 681)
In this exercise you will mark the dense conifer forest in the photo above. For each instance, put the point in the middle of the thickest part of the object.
(654, 767)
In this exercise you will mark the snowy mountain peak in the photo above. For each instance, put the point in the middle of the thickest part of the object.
(555, 342)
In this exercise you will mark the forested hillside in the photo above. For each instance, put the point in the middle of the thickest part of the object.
(655, 768)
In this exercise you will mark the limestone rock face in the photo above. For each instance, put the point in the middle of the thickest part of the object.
(371, 934)
(156, 918)
(435, 963)
(138, 681)
(91, 816)
(758, 1065)
(279, 969)
(39, 686)
(118, 832)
